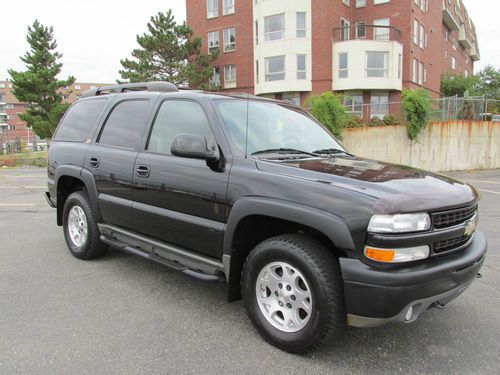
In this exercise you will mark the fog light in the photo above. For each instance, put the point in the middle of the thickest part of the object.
(409, 314)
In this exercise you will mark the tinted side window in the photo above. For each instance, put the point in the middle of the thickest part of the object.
(79, 120)
(125, 124)
(177, 117)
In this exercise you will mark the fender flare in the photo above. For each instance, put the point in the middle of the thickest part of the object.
(88, 180)
(329, 224)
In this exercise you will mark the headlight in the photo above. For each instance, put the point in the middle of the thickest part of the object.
(399, 223)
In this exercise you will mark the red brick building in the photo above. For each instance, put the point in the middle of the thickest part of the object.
(367, 49)
(12, 128)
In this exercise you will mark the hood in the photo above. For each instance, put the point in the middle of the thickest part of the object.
(397, 188)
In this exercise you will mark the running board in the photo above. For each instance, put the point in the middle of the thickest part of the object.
(178, 259)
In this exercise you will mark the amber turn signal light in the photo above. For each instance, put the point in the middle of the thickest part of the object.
(379, 255)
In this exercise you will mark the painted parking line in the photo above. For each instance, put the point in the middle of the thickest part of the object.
(486, 181)
(490, 191)
(17, 204)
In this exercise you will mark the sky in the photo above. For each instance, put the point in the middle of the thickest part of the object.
(94, 35)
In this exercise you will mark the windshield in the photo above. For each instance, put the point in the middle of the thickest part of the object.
(273, 126)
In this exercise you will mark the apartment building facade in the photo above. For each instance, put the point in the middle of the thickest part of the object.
(12, 128)
(369, 50)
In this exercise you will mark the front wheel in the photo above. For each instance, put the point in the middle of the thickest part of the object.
(80, 227)
(293, 293)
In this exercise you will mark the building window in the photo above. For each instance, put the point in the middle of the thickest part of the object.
(301, 24)
(415, 71)
(353, 103)
(360, 30)
(377, 64)
(256, 32)
(421, 74)
(343, 65)
(215, 79)
(382, 33)
(415, 31)
(345, 29)
(212, 8)
(422, 36)
(292, 97)
(77, 87)
(229, 76)
(400, 65)
(229, 39)
(425, 74)
(257, 71)
(379, 104)
(360, 3)
(227, 7)
(381, 1)
(301, 66)
(213, 41)
(453, 63)
(346, 2)
(275, 68)
(274, 27)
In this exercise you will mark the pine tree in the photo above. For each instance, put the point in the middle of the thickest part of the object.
(38, 86)
(168, 52)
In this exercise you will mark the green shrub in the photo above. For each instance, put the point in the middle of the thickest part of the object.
(375, 121)
(330, 111)
(417, 106)
(391, 119)
(355, 122)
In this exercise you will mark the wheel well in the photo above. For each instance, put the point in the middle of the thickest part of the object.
(65, 186)
(254, 229)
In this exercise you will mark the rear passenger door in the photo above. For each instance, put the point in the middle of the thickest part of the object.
(180, 201)
(112, 156)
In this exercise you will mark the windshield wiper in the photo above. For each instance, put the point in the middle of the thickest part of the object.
(331, 151)
(283, 150)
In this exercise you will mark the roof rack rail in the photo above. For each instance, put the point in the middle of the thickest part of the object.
(156, 86)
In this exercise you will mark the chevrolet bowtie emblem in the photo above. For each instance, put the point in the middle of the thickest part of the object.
(469, 228)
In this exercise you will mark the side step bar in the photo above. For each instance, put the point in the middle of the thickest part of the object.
(194, 265)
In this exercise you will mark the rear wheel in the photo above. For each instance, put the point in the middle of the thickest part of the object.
(80, 227)
(293, 293)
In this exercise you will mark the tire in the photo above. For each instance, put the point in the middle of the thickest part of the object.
(82, 244)
(310, 268)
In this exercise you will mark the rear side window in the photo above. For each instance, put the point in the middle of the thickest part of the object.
(78, 122)
(177, 117)
(125, 124)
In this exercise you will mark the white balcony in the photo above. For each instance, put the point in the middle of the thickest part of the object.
(374, 61)
(474, 53)
(463, 39)
(449, 20)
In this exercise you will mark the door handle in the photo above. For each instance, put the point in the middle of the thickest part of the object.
(143, 171)
(94, 162)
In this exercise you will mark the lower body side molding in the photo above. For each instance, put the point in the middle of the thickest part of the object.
(187, 262)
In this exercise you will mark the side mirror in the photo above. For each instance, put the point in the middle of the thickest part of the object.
(195, 147)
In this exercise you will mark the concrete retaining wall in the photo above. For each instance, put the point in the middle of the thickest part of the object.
(442, 146)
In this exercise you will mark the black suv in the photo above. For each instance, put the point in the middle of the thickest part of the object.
(256, 193)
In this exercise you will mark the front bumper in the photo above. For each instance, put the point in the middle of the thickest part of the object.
(374, 297)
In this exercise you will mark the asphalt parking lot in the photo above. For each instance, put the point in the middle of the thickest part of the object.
(122, 314)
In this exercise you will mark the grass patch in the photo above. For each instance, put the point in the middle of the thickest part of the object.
(34, 159)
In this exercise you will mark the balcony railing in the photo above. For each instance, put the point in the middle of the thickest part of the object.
(366, 32)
